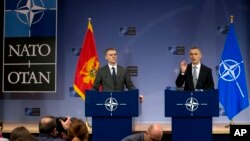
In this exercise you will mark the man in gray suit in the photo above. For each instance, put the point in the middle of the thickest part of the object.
(112, 77)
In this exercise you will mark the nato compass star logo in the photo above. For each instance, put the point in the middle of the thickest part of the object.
(229, 71)
(111, 104)
(27, 18)
(191, 104)
(30, 12)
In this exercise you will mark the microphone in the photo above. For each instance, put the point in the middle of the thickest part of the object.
(198, 90)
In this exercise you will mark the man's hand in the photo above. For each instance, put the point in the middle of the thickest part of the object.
(183, 66)
(141, 98)
(65, 124)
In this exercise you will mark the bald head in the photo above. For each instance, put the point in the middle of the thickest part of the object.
(47, 125)
(46, 120)
(154, 133)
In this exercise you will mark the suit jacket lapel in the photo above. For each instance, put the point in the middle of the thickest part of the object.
(200, 77)
(107, 73)
(119, 72)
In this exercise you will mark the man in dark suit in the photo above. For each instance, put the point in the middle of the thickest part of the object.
(195, 76)
(112, 77)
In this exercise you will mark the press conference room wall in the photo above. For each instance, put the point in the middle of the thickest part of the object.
(162, 26)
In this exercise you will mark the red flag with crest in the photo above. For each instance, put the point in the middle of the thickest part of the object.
(87, 65)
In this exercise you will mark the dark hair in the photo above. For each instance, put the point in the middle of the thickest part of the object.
(1, 126)
(78, 129)
(18, 132)
(108, 49)
(27, 138)
(47, 124)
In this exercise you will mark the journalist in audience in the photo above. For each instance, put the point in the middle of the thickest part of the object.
(48, 130)
(27, 138)
(19, 132)
(78, 131)
(154, 133)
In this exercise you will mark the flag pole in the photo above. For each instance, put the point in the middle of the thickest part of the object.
(231, 121)
(89, 127)
(231, 19)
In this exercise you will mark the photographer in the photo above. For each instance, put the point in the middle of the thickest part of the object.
(48, 128)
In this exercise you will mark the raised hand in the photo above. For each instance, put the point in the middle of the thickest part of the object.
(183, 66)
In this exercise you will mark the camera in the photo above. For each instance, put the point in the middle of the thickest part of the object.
(59, 126)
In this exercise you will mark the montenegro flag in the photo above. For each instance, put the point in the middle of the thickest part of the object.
(87, 65)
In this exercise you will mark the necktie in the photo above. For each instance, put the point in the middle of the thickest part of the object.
(113, 74)
(195, 76)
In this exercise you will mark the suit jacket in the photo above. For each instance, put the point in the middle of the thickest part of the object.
(205, 79)
(105, 81)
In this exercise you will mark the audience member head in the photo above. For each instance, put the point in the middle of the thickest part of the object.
(1, 126)
(154, 133)
(47, 125)
(78, 130)
(27, 138)
(19, 132)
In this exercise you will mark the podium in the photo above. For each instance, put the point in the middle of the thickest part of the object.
(192, 113)
(111, 113)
